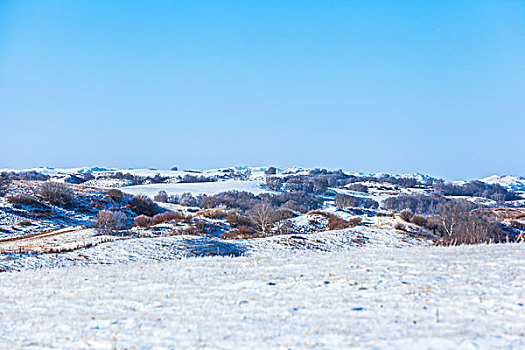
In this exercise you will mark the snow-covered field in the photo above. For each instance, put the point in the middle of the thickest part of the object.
(207, 188)
(417, 297)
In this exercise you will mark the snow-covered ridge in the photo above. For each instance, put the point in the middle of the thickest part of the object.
(514, 183)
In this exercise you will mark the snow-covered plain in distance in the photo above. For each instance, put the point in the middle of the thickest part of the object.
(207, 188)
(415, 297)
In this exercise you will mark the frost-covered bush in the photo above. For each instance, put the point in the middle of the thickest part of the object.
(57, 194)
(142, 221)
(109, 221)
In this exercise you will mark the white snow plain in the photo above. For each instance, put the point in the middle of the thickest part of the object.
(207, 188)
(468, 297)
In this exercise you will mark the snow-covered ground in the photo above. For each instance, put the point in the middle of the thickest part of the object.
(208, 188)
(469, 297)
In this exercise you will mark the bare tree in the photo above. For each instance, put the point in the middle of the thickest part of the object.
(263, 216)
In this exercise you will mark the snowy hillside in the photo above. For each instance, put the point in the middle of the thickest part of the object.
(515, 183)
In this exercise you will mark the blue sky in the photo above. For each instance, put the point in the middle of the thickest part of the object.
(396, 86)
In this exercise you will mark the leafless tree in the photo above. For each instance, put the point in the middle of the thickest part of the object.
(263, 216)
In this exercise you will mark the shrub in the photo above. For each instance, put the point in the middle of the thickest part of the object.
(142, 221)
(115, 194)
(167, 217)
(57, 193)
(400, 226)
(212, 213)
(142, 205)
(337, 223)
(24, 200)
(419, 220)
(25, 223)
(406, 215)
(236, 219)
(187, 200)
(242, 232)
(355, 221)
(162, 197)
(109, 221)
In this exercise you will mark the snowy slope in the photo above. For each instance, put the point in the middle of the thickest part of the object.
(468, 297)
(515, 183)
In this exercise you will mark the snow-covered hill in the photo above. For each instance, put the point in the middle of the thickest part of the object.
(514, 183)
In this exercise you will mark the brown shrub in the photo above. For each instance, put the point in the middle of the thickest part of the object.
(337, 223)
(25, 223)
(381, 214)
(406, 215)
(235, 220)
(212, 213)
(142, 221)
(242, 232)
(419, 220)
(115, 194)
(167, 217)
(355, 221)
(400, 226)
(190, 231)
(21, 200)
(201, 226)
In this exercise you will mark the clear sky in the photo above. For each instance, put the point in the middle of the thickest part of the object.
(397, 86)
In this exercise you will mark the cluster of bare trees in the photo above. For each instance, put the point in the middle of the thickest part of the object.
(455, 222)
(343, 201)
